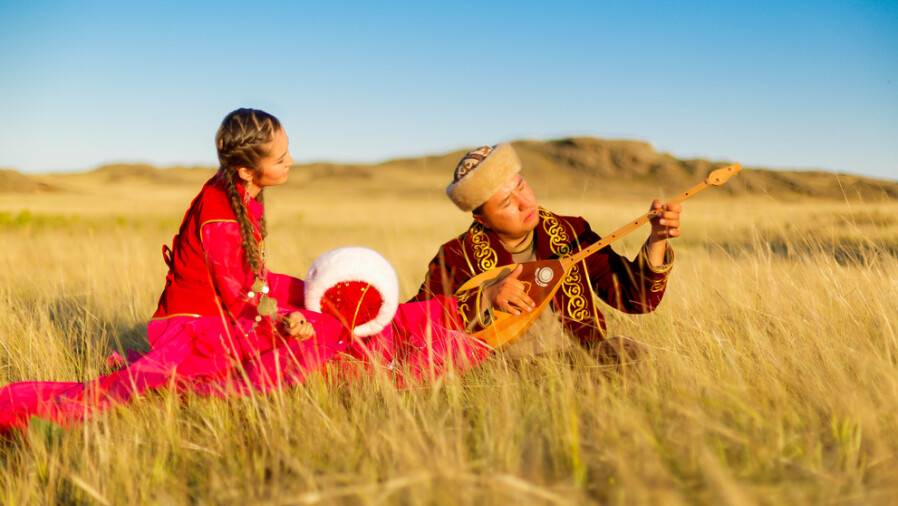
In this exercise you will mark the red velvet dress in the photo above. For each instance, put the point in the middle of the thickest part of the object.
(205, 336)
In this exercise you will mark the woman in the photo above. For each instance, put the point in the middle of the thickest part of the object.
(224, 324)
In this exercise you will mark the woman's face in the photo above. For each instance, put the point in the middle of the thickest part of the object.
(273, 169)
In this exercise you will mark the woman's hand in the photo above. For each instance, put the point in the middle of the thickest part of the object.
(297, 326)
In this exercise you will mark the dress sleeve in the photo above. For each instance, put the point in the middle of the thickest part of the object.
(233, 278)
(631, 286)
(231, 274)
(288, 291)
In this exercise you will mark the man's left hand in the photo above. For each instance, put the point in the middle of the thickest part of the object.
(666, 223)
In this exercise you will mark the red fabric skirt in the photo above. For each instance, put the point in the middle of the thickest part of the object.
(203, 356)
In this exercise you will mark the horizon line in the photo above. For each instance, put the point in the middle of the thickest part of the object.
(413, 155)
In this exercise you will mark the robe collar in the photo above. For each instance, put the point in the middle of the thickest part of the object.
(553, 237)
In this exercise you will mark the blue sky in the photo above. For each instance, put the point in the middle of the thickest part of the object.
(779, 84)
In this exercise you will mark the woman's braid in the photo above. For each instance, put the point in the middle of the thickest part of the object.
(241, 142)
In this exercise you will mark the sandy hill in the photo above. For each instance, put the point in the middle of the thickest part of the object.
(580, 165)
(140, 172)
(634, 167)
(558, 168)
(12, 181)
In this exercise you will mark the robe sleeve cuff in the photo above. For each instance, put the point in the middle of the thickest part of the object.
(484, 309)
(661, 269)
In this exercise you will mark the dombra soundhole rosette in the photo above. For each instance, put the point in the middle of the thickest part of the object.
(544, 276)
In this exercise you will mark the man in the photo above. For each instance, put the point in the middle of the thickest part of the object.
(510, 227)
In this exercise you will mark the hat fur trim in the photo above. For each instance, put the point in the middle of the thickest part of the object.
(355, 264)
(478, 185)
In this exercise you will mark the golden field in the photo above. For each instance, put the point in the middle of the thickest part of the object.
(772, 379)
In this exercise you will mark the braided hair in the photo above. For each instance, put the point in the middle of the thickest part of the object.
(241, 141)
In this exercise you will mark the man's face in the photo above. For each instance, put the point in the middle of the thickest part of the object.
(512, 210)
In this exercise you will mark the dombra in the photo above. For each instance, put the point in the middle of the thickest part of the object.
(542, 278)
(357, 286)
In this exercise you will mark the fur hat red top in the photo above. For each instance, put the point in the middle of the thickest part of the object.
(355, 285)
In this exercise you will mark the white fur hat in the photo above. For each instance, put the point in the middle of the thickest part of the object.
(357, 284)
(480, 173)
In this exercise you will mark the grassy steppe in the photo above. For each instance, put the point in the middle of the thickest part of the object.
(773, 375)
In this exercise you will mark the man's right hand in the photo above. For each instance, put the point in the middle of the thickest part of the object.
(509, 295)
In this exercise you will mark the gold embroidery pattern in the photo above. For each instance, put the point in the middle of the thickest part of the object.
(484, 253)
(576, 304)
(471, 161)
(596, 318)
(572, 288)
(558, 240)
